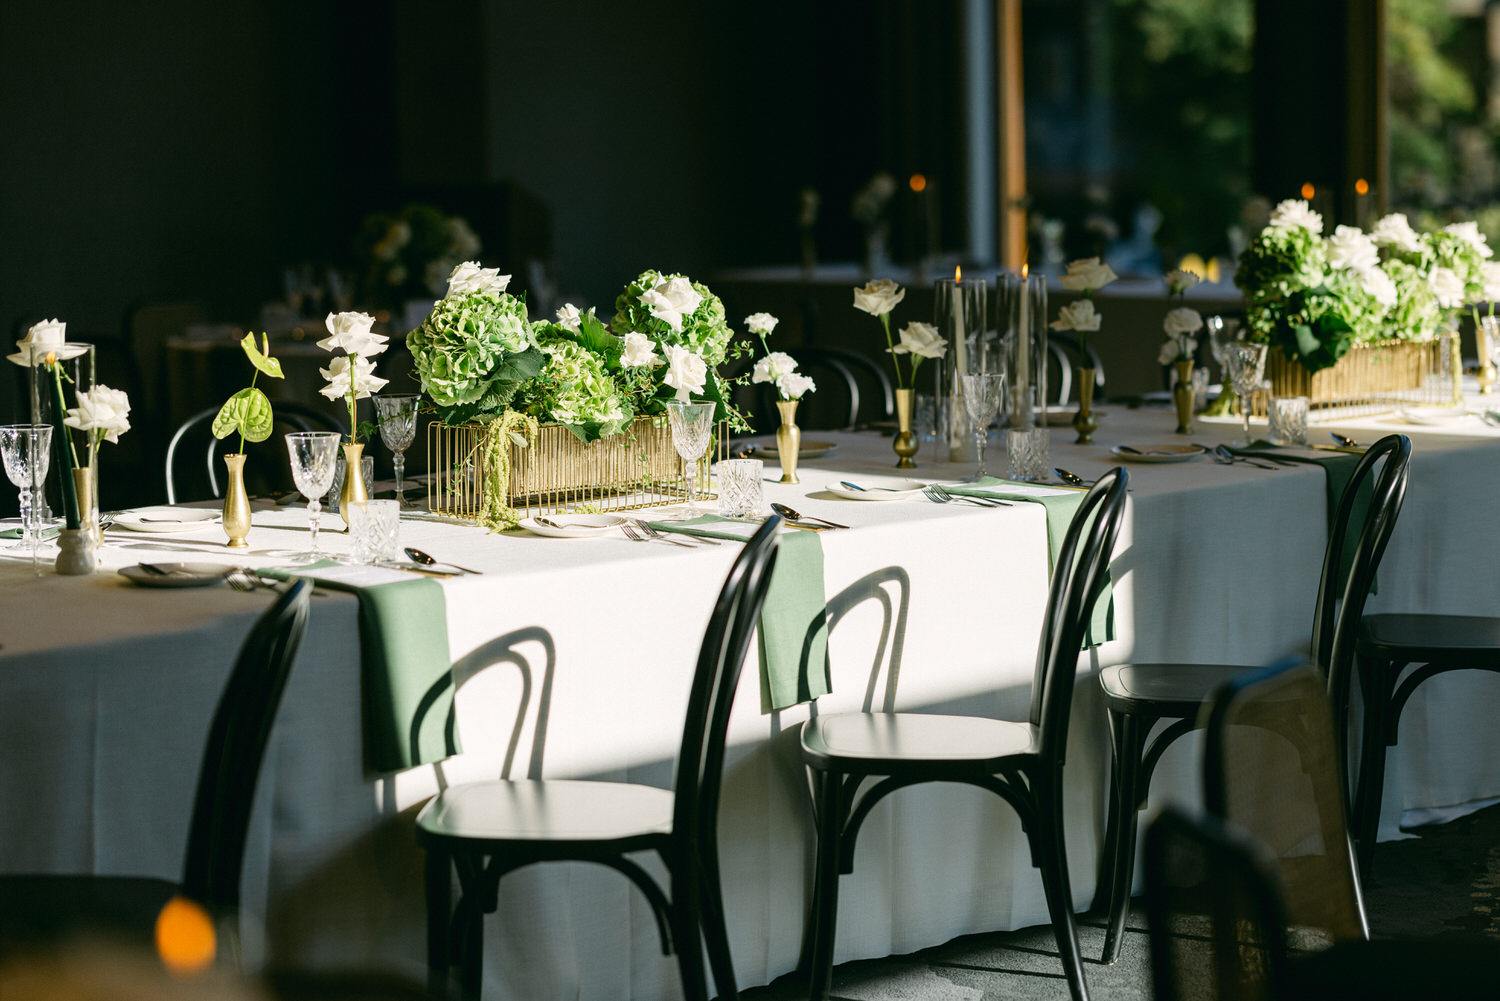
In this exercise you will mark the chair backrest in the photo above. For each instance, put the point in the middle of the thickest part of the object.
(700, 759)
(1349, 566)
(287, 413)
(1271, 768)
(1214, 912)
(852, 390)
(236, 746)
(1078, 576)
(1082, 357)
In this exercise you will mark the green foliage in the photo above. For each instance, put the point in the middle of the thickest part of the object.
(247, 413)
(261, 359)
(1432, 101)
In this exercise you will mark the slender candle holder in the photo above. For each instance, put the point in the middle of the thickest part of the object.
(1021, 315)
(960, 313)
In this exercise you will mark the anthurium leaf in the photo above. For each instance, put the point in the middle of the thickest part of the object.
(247, 412)
(261, 359)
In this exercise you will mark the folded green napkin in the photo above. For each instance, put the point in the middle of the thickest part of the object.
(1060, 508)
(407, 685)
(16, 533)
(1338, 467)
(794, 620)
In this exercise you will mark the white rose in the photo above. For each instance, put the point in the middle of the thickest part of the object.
(470, 277)
(672, 301)
(48, 335)
(345, 370)
(101, 409)
(1351, 250)
(1078, 315)
(1469, 233)
(351, 332)
(686, 372)
(1180, 281)
(1394, 231)
(1295, 212)
(1182, 321)
(1379, 286)
(1489, 276)
(639, 352)
(761, 323)
(1175, 349)
(921, 339)
(1447, 286)
(793, 385)
(878, 297)
(773, 366)
(568, 317)
(1087, 275)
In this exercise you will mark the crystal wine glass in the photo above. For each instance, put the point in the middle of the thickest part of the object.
(313, 456)
(982, 392)
(691, 424)
(398, 426)
(1247, 360)
(25, 449)
(1222, 332)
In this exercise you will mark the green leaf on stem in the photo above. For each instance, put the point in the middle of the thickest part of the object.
(247, 412)
(261, 358)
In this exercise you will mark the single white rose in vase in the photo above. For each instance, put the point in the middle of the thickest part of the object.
(351, 376)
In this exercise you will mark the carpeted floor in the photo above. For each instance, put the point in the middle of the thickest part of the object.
(1444, 882)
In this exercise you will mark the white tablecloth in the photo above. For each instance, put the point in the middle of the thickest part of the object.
(106, 690)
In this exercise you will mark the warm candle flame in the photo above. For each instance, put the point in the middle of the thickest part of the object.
(1308, 190)
(1361, 187)
(958, 273)
(918, 182)
(51, 357)
(1025, 268)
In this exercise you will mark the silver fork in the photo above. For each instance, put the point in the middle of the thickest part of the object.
(656, 533)
(938, 495)
(636, 535)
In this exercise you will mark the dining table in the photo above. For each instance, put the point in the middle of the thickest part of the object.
(571, 657)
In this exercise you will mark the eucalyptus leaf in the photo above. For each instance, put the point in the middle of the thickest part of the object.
(261, 359)
(247, 412)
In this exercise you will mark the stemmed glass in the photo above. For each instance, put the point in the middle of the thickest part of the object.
(313, 454)
(398, 426)
(1247, 360)
(25, 449)
(691, 424)
(982, 392)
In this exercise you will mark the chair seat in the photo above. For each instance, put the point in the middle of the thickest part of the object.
(1163, 689)
(881, 743)
(1456, 640)
(554, 810)
(38, 910)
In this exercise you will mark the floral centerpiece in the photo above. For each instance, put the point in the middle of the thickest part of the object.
(1180, 324)
(351, 378)
(919, 340)
(247, 413)
(1085, 277)
(776, 367)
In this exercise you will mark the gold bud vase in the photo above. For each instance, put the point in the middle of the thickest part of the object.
(1182, 396)
(788, 440)
(236, 518)
(1085, 423)
(355, 490)
(905, 444)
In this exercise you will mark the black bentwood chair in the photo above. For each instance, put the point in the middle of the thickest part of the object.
(1021, 762)
(484, 830)
(297, 416)
(44, 910)
(1138, 696)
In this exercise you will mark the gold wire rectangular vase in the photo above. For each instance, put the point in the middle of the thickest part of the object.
(1371, 376)
(558, 473)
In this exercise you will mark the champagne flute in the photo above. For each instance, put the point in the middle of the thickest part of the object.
(398, 426)
(1247, 360)
(25, 451)
(313, 454)
(691, 424)
(982, 392)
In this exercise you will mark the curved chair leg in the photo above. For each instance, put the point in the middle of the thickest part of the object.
(825, 902)
(439, 914)
(711, 916)
(689, 938)
(1051, 846)
(1126, 739)
(1375, 685)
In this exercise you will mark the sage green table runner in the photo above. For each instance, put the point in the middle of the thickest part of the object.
(16, 533)
(1338, 468)
(406, 669)
(793, 626)
(1060, 507)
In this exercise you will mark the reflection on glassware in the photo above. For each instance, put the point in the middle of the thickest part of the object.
(1247, 360)
(691, 424)
(924, 417)
(1287, 417)
(313, 454)
(1222, 332)
(25, 449)
(982, 393)
(1028, 454)
(740, 487)
(374, 530)
(398, 426)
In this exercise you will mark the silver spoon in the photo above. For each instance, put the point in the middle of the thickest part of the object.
(1230, 458)
(1071, 479)
(1344, 440)
(420, 557)
(791, 515)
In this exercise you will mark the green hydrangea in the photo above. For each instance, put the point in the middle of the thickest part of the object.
(705, 332)
(1416, 315)
(1282, 261)
(472, 352)
(574, 388)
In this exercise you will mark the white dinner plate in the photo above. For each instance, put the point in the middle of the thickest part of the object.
(1160, 453)
(807, 450)
(896, 490)
(1431, 416)
(573, 526)
(178, 574)
(166, 520)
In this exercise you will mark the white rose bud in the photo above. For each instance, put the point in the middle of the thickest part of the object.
(1087, 275)
(1447, 287)
(351, 333)
(1080, 316)
(1179, 281)
(761, 323)
(48, 335)
(686, 372)
(639, 352)
(878, 297)
(1295, 212)
(921, 339)
(793, 385)
(1182, 321)
(101, 409)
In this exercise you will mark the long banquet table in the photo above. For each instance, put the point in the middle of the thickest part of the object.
(106, 690)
